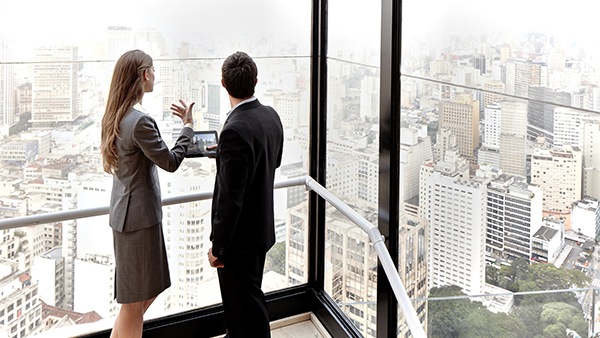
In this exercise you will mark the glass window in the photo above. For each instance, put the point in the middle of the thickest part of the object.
(499, 121)
(353, 60)
(53, 87)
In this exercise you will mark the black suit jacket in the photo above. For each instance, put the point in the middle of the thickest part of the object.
(249, 151)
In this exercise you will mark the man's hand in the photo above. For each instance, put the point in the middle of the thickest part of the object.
(211, 147)
(214, 261)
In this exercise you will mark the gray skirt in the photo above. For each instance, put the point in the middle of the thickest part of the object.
(141, 266)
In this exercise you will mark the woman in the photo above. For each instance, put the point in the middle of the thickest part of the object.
(131, 150)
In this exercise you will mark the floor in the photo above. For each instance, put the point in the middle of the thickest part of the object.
(300, 326)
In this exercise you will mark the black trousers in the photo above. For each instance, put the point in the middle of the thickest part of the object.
(243, 299)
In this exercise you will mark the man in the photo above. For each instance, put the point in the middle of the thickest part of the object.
(248, 153)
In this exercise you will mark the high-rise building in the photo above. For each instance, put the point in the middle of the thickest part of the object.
(48, 271)
(119, 39)
(7, 89)
(342, 171)
(289, 107)
(568, 126)
(493, 126)
(95, 285)
(455, 207)
(415, 147)
(296, 269)
(414, 233)
(369, 98)
(445, 141)
(494, 90)
(521, 74)
(186, 230)
(55, 90)
(591, 158)
(513, 138)
(20, 305)
(461, 116)
(368, 169)
(479, 62)
(558, 172)
(514, 215)
(216, 106)
(353, 266)
(540, 111)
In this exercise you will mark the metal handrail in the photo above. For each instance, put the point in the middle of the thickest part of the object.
(410, 315)
(377, 239)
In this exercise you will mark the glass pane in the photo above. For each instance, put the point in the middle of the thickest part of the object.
(53, 85)
(353, 157)
(500, 121)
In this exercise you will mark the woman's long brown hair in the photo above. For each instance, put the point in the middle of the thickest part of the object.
(126, 89)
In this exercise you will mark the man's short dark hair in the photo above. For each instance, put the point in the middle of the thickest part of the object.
(239, 74)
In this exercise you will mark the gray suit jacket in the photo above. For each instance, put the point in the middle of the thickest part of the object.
(135, 202)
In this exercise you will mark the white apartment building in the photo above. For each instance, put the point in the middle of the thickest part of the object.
(186, 229)
(455, 207)
(548, 241)
(9, 244)
(591, 158)
(289, 107)
(296, 268)
(342, 175)
(369, 98)
(558, 172)
(415, 148)
(7, 83)
(48, 271)
(585, 217)
(445, 140)
(492, 126)
(32, 242)
(20, 306)
(489, 152)
(568, 126)
(94, 285)
(92, 235)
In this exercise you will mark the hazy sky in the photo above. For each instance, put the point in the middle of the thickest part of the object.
(45, 19)
(559, 18)
(354, 25)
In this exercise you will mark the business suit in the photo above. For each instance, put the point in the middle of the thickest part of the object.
(135, 212)
(249, 151)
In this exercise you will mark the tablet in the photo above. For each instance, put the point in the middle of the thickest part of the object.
(201, 140)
